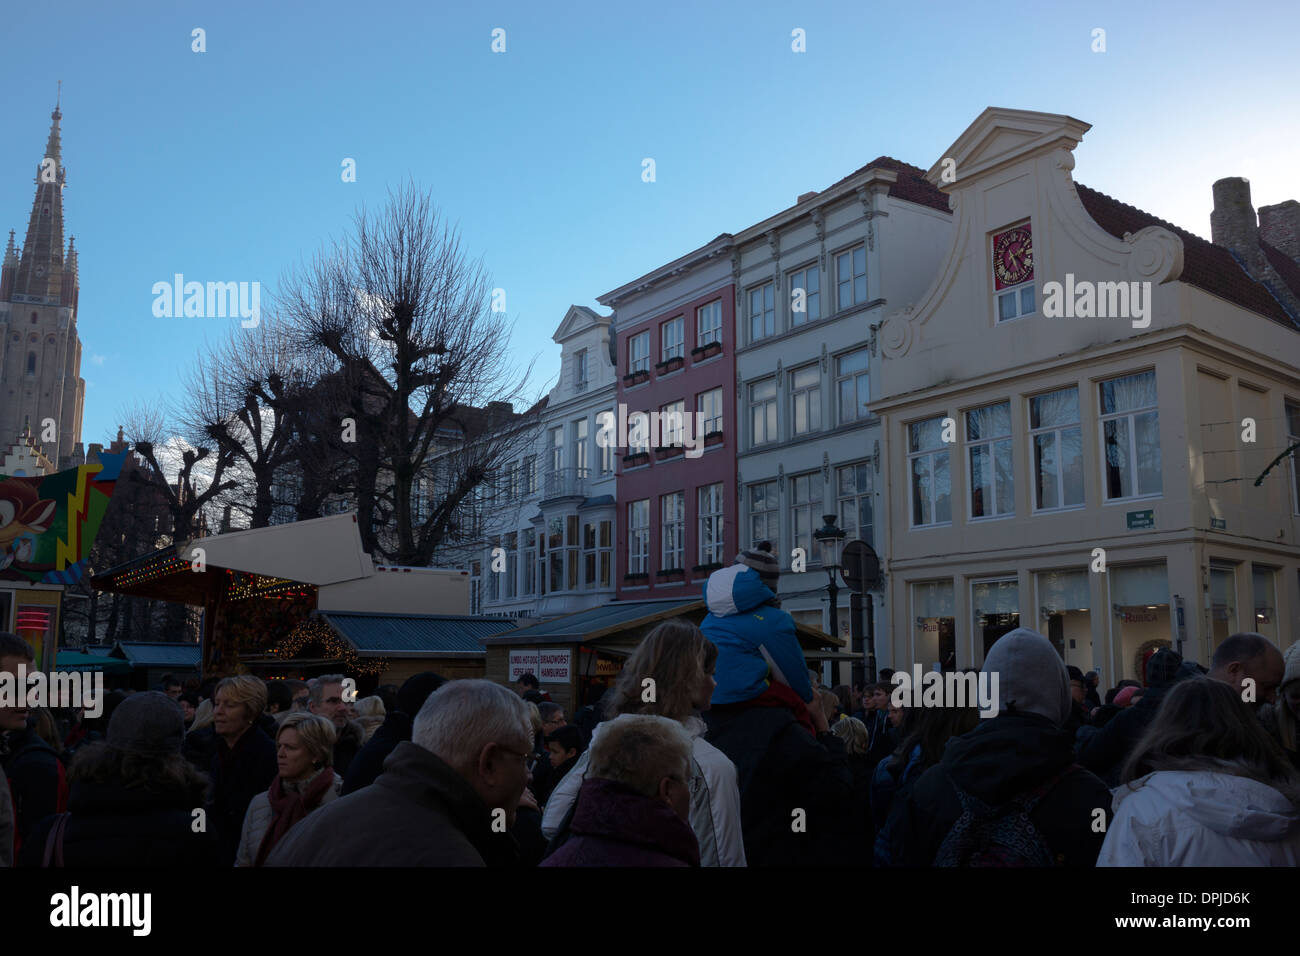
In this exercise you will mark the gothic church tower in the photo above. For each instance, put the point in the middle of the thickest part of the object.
(40, 353)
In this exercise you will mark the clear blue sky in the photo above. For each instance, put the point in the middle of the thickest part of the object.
(225, 165)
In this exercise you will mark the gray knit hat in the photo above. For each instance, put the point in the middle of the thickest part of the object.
(148, 724)
(764, 562)
(1031, 675)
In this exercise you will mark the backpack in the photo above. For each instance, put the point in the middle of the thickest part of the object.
(998, 836)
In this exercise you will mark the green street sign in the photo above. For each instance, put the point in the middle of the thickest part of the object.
(1219, 524)
(1137, 520)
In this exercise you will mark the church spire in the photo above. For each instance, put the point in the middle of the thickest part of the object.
(41, 268)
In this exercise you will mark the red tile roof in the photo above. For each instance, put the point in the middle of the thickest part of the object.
(1205, 265)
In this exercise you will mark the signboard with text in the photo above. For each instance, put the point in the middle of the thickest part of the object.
(550, 667)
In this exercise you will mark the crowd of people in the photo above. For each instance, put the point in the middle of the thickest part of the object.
(716, 746)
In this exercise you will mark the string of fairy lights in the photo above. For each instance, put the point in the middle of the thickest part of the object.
(316, 631)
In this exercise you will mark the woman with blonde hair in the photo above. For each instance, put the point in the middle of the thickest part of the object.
(306, 781)
(671, 675)
(370, 714)
(202, 716)
(244, 762)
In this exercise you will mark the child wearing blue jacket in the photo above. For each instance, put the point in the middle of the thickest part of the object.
(756, 640)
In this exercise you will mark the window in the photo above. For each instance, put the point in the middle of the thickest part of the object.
(1016, 303)
(528, 475)
(638, 536)
(1223, 602)
(638, 352)
(556, 445)
(671, 338)
(580, 370)
(1057, 442)
(1130, 434)
(1262, 584)
(853, 495)
(762, 312)
(510, 544)
(764, 514)
(708, 324)
(420, 494)
(762, 412)
(805, 400)
(1013, 272)
(510, 481)
(597, 554)
(710, 514)
(709, 405)
(31, 363)
(671, 420)
(851, 277)
(494, 576)
(992, 482)
(996, 607)
(1065, 613)
(562, 553)
(638, 432)
(672, 531)
(805, 296)
(476, 587)
(580, 447)
(852, 385)
(1292, 438)
(528, 559)
(928, 465)
(934, 640)
(608, 444)
(1139, 598)
(805, 509)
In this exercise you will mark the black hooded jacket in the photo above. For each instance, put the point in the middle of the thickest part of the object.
(35, 774)
(1003, 757)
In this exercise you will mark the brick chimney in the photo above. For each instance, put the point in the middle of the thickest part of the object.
(1233, 227)
(1280, 226)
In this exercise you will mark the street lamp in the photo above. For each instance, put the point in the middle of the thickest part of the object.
(831, 541)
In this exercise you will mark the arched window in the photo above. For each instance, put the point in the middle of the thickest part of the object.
(31, 363)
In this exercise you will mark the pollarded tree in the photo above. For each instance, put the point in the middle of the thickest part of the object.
(407, 326)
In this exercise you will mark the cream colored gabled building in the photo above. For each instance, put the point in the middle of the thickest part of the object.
(1090, 477)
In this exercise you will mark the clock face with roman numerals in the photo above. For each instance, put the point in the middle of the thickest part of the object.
(1013, 256)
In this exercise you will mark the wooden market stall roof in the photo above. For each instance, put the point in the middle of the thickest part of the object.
(617, 617)
(413, 635)
(318, 552)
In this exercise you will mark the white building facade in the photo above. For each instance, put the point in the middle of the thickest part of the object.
(1075, 414)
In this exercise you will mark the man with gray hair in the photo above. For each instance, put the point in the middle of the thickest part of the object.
(1251, 664)
(447, 796)
(633, 808)
(326, 700)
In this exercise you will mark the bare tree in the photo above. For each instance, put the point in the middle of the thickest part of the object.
(405, 325)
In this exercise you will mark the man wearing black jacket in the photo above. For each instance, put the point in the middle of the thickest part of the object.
(368, 764)
(795, 789)
(32, 767)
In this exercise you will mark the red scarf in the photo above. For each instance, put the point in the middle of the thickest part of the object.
(288, 807)
(779, 695)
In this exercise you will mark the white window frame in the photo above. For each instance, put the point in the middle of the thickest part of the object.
(852, 280)
(855, 377)
(708, 323)
(989, 444)
(672, 424)
(580, 370)
(766, 512)
(672, 530)
(580, 430)
(1130, 414)
(1056, 431)
(1291, 415)
(814, 507)
(766, 292)
(931, 454)
(798, 279)
(608, 449)
(709, 405)
(638, 537)
(710, 512)
(672, 338)
(812, 396)
(858, 494)
(638, 352)
(555, 447)
(771, 428)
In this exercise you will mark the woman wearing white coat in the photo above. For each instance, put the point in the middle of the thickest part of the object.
(671, 675)
(1205, 786)
(304, 752)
